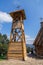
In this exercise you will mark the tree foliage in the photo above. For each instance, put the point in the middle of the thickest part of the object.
(3, 44)
(28, 49)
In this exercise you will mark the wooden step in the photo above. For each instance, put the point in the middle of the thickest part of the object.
(17, 58)
(15, 51)
(16, 48)
(12, 54)
(15, 43)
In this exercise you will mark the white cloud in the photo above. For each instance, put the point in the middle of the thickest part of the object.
(1, 26)
(4, 17)
(8, 35)
(29, 40)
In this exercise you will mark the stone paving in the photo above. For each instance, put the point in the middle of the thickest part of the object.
(29, 61)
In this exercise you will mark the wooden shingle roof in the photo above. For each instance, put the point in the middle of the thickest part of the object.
(18, 13)
(39, 37)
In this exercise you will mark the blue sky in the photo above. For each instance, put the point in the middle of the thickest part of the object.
(33, 10)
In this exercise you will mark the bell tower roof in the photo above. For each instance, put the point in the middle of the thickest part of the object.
(18, 13)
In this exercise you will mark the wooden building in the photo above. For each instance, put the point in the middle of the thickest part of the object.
(17, 45)
(38, 43)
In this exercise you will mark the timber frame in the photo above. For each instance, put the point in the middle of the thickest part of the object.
(17, 45)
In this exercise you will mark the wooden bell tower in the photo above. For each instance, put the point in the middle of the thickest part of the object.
(17, 45)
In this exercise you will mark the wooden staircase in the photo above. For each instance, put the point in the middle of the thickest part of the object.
(15, 51)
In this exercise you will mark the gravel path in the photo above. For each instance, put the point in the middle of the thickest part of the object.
(29, 61)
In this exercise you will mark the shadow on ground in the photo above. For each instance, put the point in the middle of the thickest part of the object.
(34, 56)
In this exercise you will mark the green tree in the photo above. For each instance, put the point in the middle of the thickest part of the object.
(1, 38)
(28, 49)
(5, 39)
(3, 44)
(0, 49)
